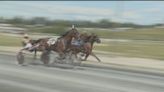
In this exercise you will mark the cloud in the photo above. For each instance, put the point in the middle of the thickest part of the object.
(91, 18)
(76, 10)
(127, 16)
(88, 13)
(57, 10)
(131, 15)
(152, 10)
(54, 11)
(60, 10)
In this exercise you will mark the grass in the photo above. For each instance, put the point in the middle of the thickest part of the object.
(153, 47)
(137, 34)
(143, 49)
(9, 41)
(56, 30)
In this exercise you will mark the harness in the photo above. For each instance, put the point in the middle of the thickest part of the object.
(77, 42)
(51, 41)
(62, 41)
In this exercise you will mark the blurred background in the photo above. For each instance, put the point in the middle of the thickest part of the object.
(126, 28)
(131, 49)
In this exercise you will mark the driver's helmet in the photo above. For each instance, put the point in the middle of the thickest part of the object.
(26, 36)
(73, 26)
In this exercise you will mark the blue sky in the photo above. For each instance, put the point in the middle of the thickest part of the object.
(140, 12)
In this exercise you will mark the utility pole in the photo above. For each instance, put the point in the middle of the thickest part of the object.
(119, 10)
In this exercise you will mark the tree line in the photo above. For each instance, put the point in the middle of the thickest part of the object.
(103, 23)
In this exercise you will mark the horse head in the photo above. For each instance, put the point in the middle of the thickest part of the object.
(95, 38)
(73, 32)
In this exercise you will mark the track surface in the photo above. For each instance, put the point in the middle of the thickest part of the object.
(40, 78)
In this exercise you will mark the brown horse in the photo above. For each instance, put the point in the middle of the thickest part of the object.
(60, 46)
(44, 47)
(63, 43)
(87, 47)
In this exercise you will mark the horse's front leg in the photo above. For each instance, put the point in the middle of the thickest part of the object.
(86, 52)
(62, 55)
(86, 56)
(35, 54)
(95, 56)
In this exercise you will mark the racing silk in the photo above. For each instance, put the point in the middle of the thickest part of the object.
(28, 46)
(76, 42)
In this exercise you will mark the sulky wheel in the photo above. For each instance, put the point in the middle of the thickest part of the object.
(20, 58)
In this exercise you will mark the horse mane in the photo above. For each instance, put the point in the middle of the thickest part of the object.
(40, 39)
(37, 41)
(88, 38)
(66, 33)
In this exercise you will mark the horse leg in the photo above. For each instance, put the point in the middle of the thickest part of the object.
(35, 53)
(87, 51)
(86, 56)
(76, 55)
(95, 56)
(61, 55)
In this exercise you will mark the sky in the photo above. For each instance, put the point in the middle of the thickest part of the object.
(139, 12)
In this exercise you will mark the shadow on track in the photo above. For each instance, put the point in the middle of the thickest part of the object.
(61, 66)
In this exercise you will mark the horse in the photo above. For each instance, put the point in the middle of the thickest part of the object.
(61, 45)
(64, 42)
(87, 47)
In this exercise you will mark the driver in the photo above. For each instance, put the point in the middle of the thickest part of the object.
(80, 41)
(26, 42)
